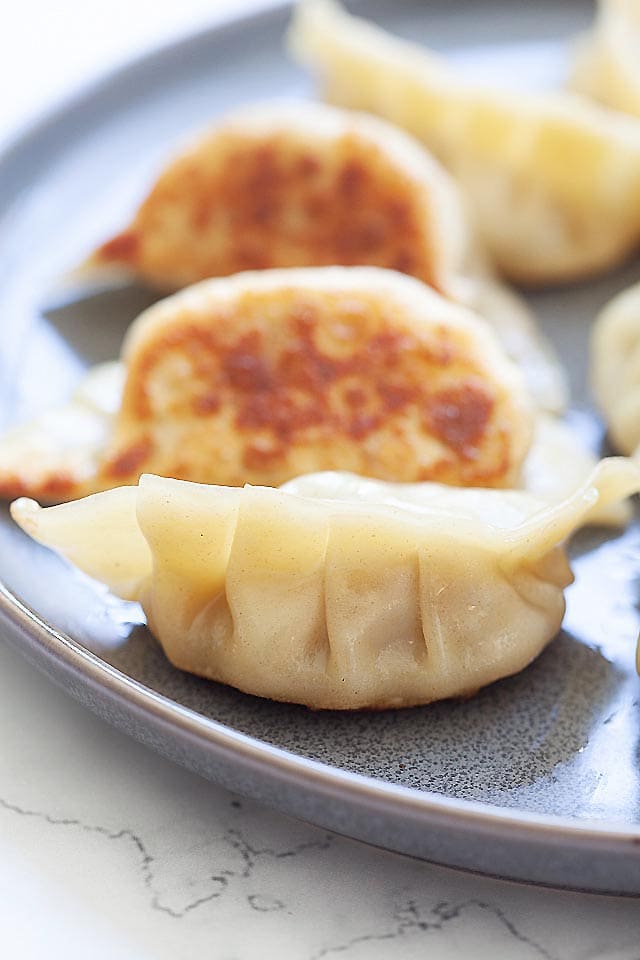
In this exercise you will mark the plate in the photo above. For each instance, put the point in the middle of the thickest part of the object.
(537, 777)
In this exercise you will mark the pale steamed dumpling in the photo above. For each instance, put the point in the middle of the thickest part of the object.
(335, 591)
(553, 180)
(263, 376)
(615, 364)
(607, 63)
(305, 184)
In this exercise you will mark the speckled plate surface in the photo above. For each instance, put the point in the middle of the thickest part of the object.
(537, 778)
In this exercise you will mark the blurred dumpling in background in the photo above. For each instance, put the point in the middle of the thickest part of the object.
(516, 328)
(615, 364)
(305, 184)
(553, 181)
(294, 185)
(607, 62)
(335, 592)
(264, 376)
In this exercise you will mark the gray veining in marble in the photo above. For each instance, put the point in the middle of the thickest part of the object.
(184, 868)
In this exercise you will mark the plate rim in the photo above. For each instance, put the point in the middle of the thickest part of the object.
(45, 639)
(99, 82)
(48, 645)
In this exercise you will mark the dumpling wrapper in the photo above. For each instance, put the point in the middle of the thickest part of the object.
(607, 63)
(553, 181)
(514, 324)
(305, 184)
(295, 184)
(615, 367)
(335, 592)
(263, 376)
(77, 434)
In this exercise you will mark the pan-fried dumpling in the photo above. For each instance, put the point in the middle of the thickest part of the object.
(263, 376)
(607, 64)
(553, 180)
(615, 362)
(305, 184)
(335, 591)
(296, 185)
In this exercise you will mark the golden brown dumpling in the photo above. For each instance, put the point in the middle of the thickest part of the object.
(607, 65)
(264, 376)
(335, 591)
(553, 181)
(305, 184)
(295, 185)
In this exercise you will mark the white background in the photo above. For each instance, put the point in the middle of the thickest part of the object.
(49, 46)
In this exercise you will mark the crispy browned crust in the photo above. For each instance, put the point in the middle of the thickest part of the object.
(272, 384)
(246, 199)
(266, 376)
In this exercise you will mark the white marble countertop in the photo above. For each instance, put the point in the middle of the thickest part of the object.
(107, 850)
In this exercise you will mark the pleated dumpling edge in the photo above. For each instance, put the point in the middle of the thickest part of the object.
(543, 173)
(336, 591)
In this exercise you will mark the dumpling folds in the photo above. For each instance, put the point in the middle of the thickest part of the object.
(335, 591)
(263, 376)
(615, 363)
(553, 181)
(607, 64)
(305, 184)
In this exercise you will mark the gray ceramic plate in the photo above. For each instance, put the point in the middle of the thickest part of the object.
(536, 778)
